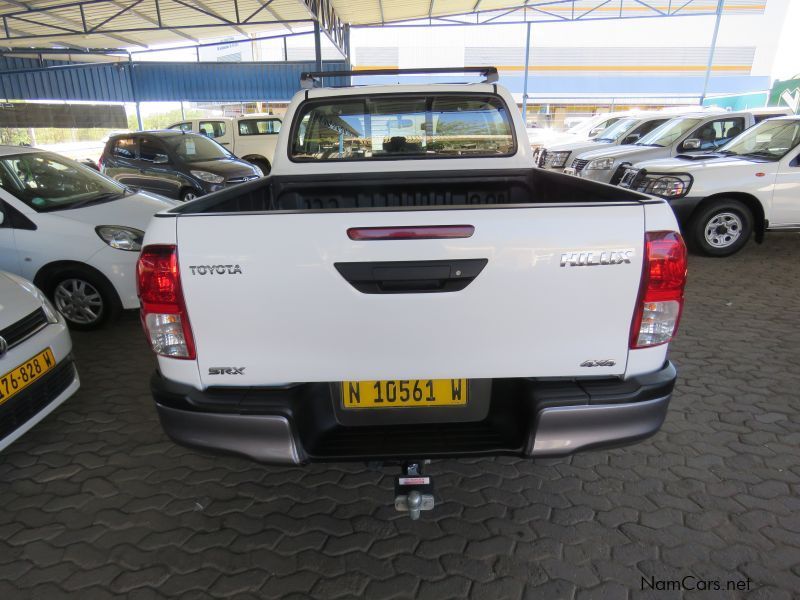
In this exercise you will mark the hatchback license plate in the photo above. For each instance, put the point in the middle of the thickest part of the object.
(20, 377)
(404, 393)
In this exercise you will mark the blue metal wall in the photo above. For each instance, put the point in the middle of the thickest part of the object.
(28, 79)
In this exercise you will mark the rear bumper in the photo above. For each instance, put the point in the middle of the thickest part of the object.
(299, 423)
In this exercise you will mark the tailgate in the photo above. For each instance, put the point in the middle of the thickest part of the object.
(268, 292)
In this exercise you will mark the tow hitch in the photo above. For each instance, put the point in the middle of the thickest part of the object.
(413, 491)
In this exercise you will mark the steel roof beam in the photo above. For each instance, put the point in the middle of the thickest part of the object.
(157, 21)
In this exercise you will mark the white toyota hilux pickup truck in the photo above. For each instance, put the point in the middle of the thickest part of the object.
(748, 187)
(407, 286)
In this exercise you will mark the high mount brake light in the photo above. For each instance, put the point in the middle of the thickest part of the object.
(414, 232)
(163, 309)
(660, 302)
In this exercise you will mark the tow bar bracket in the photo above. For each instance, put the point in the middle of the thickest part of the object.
(413, 491)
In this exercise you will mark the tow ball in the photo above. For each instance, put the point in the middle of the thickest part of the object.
(413, 491)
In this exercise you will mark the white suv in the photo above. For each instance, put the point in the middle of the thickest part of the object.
(627, 130)
(750, 186)
(696, 132)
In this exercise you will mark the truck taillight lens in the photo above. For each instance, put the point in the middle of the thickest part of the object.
(163, 310)
(661, 294)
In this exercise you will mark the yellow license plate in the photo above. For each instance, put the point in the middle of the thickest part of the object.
(18, 378)
(404, 393)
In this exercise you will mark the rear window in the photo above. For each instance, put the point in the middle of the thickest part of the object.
(212, 129)
(397, 127)
(259, 126)
(124, 148)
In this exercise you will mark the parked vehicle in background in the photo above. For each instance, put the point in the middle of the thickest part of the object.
(37, 372)
(704, 131)
(250, 137)
(425, 250)
(72, 231)
(750, 185)
(175, 164)
(627, 130)
(586, 129)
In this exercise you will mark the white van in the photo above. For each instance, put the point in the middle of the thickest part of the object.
(250, 137)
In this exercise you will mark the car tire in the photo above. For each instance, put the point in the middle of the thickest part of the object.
(721, 228)
(262, 164)
(85, 299)
(190, 194)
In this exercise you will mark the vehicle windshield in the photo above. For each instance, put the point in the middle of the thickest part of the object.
(770, 140)
(407, 126)
(48, 182)
(587, 125)
(616, 131)
(668, 133)
(196, 148)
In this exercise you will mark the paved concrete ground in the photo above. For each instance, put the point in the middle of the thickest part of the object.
(96, 503)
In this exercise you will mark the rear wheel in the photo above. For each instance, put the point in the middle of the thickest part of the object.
(721, 228)
(85, 299)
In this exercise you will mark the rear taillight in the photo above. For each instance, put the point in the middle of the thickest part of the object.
(163, 310)
(660, 302)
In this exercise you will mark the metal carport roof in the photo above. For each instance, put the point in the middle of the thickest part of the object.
(145, 23)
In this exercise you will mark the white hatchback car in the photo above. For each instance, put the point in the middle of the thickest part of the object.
(37, 372)
(72, 231)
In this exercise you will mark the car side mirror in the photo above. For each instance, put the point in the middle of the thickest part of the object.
(160, 159)
(632, 138)
(692, 144)
(2, 217)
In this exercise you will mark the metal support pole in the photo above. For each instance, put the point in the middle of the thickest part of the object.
(183, 112)
(525, 85)
(347, 47)
(133, 92)
(711, 51)
(285, 50)
(317, 47)
(197, 53)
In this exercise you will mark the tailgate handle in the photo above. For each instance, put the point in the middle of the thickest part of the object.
(411, 277)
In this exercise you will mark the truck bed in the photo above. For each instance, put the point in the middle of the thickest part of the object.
(408, 190)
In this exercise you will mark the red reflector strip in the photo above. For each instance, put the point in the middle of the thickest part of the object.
(420, 232)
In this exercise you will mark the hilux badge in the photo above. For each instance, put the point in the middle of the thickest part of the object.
(593, 258)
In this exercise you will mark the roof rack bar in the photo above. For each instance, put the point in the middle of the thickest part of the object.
(310, 78)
